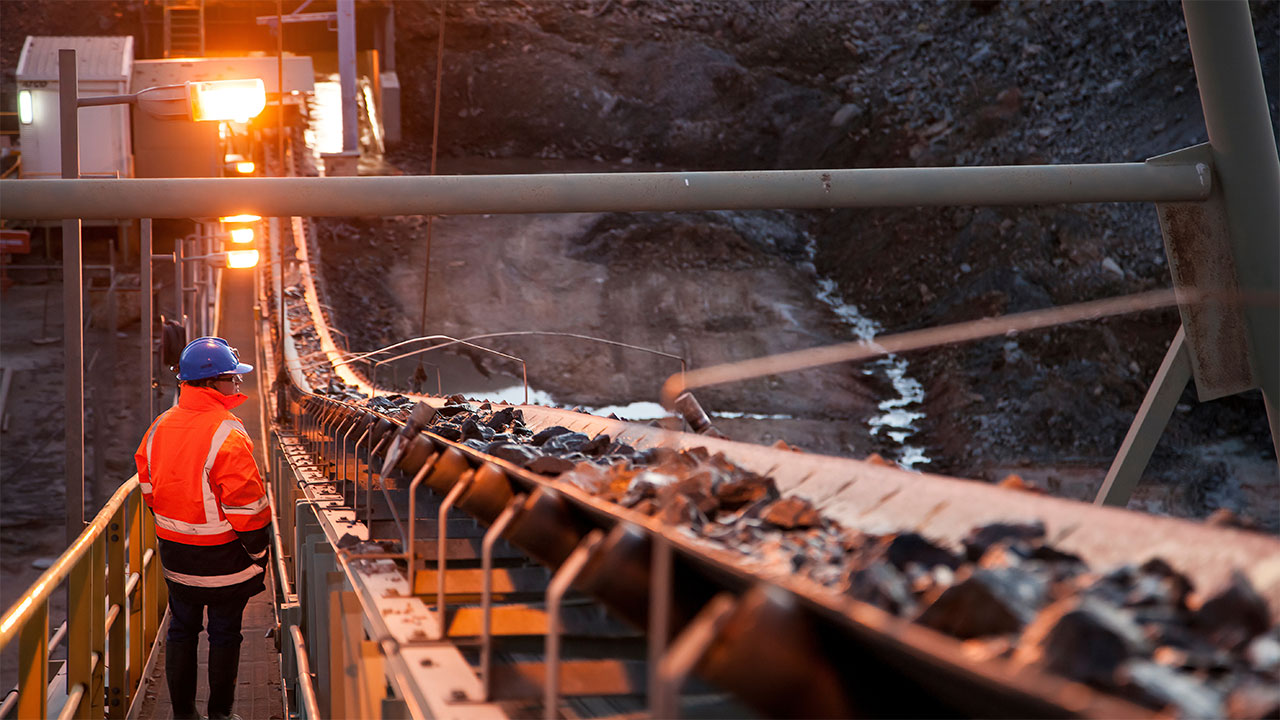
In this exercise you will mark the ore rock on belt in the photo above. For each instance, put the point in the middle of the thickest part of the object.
(501, 419)
(910, 547)
(513, 453)
(544, 435)
(882, 585)
(566, 443)
(985, 602)
(550, 465)
(1255, 699)
(790, 513)
(1233, 616)
(984, 536)
(1082, 638)
(1157, 687)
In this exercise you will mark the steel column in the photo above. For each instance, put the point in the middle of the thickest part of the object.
(72, 302)
(1148, 425)
(147, 311)
(347, 74)
(607, 192)
(1238, 121)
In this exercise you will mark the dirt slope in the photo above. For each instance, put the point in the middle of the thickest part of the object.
(712, 86)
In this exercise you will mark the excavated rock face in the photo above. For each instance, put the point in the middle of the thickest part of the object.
(1139, 631)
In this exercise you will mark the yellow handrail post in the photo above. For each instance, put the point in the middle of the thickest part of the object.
(80, 606)
(98, 627)
(33, 666)
(150, 581)
(117, 670)
(137, 599)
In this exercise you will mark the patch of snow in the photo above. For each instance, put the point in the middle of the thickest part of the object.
(896, 420)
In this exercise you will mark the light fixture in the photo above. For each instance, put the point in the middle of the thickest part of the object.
(236, 100)
(242, 236)
(245, 167)
(242, 258)
(26, 112)
(240, 218)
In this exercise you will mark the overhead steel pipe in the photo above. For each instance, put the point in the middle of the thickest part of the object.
(604, 192)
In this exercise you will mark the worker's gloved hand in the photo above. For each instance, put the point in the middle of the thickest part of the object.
(258, 544)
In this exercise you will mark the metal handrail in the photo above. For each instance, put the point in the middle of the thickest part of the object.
(115, 603)
(309, 701)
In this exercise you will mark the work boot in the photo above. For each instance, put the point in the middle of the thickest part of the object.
(224, 665)
(180, 665)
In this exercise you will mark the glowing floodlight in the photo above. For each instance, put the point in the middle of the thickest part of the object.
(240, 218)
(245, 167)
(242, 258)
(241, 236)
(236, 100)
(26, 111)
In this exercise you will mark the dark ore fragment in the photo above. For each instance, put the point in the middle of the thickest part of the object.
(1082, 638)
(512, 453)
(472, 430)
(550, 465)
(448, 432)
(501, 419)
(597, 446)
(566, 443)
(909, 547)
(451, 410)
(544, 435)
(985, 602)
(655, 456)
(883, 586)
(1234, 616)
(984, 536)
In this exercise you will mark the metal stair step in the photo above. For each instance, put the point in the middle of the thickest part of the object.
(466, 585)
(531, 620)
(525, 681)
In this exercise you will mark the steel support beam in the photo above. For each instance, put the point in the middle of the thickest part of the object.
(347, 74)
(1238, 121)
(72, 301)
(605, 192)
(147, 311)
(1148, 425)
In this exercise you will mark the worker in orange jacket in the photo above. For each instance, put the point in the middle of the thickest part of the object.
(212, 519)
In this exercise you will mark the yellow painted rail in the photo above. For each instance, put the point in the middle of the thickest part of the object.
(116, 598)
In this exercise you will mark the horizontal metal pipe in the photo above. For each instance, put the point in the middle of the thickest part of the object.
(603, 192)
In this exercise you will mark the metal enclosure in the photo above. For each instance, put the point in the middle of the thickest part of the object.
(105, 66)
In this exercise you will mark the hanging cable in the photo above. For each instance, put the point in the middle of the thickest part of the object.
(435, 148)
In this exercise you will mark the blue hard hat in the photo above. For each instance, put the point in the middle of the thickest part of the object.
(208, 357)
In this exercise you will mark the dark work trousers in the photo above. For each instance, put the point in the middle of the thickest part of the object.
(186, 620)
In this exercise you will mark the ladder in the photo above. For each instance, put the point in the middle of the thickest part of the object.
(183, 28)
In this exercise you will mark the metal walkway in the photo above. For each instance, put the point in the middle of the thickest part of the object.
(258, 685)
(258, 695)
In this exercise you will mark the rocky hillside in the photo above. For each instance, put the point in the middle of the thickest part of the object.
(733, 85)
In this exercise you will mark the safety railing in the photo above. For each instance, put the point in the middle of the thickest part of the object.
(116, 600)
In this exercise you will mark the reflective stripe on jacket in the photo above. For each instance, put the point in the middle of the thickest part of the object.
(197, 472)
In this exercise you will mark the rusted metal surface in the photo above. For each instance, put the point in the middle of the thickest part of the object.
(1197, 242)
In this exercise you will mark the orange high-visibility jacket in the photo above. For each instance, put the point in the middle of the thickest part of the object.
(197, 471)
